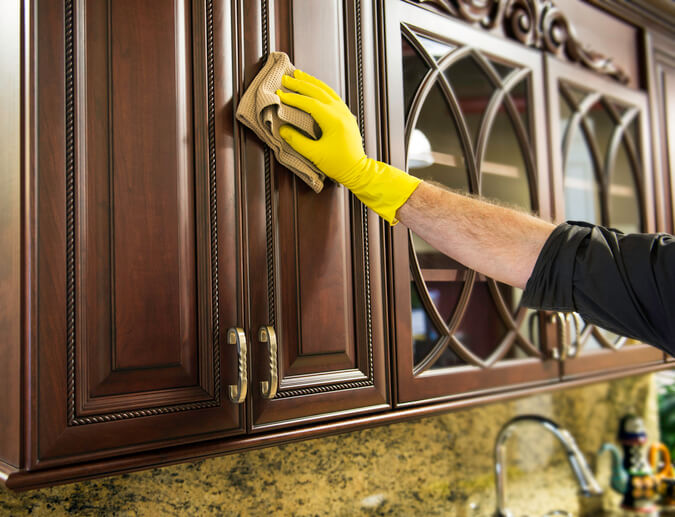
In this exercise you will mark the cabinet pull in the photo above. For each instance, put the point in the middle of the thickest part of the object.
(560, 352)
(236, 336)
(267, 335)
(576, 345)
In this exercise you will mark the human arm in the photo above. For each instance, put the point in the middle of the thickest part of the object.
(499, 242)
(496, 241)
(623, 283)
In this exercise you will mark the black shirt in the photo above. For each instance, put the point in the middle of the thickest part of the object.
(623, 283)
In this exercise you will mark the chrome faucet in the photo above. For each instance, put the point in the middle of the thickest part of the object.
(587, 484)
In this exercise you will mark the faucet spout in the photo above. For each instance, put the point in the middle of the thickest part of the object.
(588, 485)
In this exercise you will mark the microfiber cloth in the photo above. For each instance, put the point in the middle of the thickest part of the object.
(261, 109)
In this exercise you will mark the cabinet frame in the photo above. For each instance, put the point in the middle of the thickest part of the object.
(460, 381)
(556, 70)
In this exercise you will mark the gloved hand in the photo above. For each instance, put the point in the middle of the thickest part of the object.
(339, 152)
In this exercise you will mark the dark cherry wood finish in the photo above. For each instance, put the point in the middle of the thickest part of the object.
(315, 262)
(624, 355)
(133, 229)
(151, 223)
(460, 380)
(661, 81)
(11, 173)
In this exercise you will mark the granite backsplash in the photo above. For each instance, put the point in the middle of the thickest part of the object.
(440, 465)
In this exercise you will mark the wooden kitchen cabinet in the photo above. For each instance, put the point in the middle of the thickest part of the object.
(661, 81)
(159, 238)
(133, 255)
(603, 175)
(466, 110)
(168, 291)
(315, 260)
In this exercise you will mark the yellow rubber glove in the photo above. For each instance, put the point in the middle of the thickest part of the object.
(339, 152)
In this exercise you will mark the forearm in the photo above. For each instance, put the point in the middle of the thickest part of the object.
(499, 242)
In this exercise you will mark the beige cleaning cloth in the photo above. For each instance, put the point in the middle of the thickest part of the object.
(261, 109)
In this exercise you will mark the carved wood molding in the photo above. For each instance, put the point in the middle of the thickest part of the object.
(535, 23)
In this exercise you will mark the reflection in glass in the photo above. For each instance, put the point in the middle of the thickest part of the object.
(565, 115)
(504, 174)
(434, 48)
(511, 296)
(624, 211)
(435, 152)
(582, 194)
(482, 329)
(521, 98)
(445, 294)
(424, 334)
(502, 69)
(601, 126)
(473, 90)
(577, 94)
(415, 69)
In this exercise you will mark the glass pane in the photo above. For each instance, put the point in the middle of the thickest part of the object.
(601, 126)
(609, 335)
(435, 151)
(634, 132)
(503, 170)
(512, 297)
(434, 48)
(414, 70)
(448, 358)
(565, 116)
(624, 208)
(481, 329)
(582, 195)
(502, 69)
(473, 90)
(424, 334)
(577, 94)
(445, 295)
(521, 99)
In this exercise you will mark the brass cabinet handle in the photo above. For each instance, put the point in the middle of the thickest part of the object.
(236, 336)
(560, 353)
(267, 335)
(576, 345)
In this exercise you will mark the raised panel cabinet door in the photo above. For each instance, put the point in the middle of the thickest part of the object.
(315, 260)
(136, 246)
(465, 110)
(603, 175)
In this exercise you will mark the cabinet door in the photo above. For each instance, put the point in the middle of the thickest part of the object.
(136, 250)
(465, 110)
(602, 165)
(315, 261)
(661, 80)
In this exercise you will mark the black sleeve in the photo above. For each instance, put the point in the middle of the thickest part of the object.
(624, 283)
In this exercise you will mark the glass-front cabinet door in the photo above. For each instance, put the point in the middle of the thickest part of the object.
(466, 111)
(602, 175)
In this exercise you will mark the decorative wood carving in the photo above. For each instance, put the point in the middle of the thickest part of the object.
(535, 23)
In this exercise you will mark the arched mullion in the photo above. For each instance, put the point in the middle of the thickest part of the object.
(411, 36)
(521, 134)
(425, 297)
(451, 99)
(510, 322)
(599, 165)
(432, 356)
(622, 135)
(580, 111)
